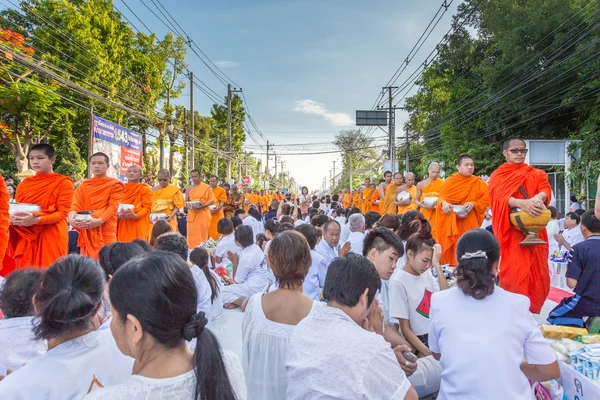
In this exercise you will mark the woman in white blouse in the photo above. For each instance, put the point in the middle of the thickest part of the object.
(250, 272)
(153, 299)
(271, 317)
(81, 358)
(481, 333)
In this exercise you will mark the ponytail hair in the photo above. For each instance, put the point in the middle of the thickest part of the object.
(199, 256)
(158, 289)
(422, 238)
(69, 296)
(477, 251)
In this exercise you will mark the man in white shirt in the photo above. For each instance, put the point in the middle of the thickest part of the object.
(572, 233)
(383, 248)
(329, 247)
(356, 223)
(345, 360)
(345, 227)
(315, 279)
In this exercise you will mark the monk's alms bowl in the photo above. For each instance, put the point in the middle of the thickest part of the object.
(460, 211)
(430, 202)
(403, 197)
(529, 225)
(84, 215)
(123, 208)
(15, 208)
(155, 217)
(194, 205)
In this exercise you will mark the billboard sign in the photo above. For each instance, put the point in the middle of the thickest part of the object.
(371, 118)
(123, 146)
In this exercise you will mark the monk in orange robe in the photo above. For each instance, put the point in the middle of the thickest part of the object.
(230, 205)
(220, 202)
(198, 218)
(388, 205)
(465, 189)
(430, 187)
(248, 198)
(365, 197)
(38, 239)
(167, 198)
(100, 195)
(382, 187)
(410, 187)
(347, 200)
(4, 221)
(375, 199)
(523, 269)
(135, 224)
(238, 197)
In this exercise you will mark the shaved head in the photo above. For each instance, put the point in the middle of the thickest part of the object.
(410, 175)
(164, 171)
(135, 168)
(433, 165)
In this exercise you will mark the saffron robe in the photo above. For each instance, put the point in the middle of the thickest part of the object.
(128, 229)
(365, 204)
(413, 196)
(4, 221)
(220, 199)
(374, 198)
(165, 200)
(388, 206)
(432, 189)
(198, 221)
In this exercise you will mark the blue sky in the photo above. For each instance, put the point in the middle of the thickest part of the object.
(305, 66)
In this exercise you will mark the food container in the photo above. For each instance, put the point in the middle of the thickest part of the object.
(460, 211)
(430, 202)
(84, 215)
(212, 207)
(15, 208)
(559, 332)
(403, 197)
(126, 208)
(155, 217)
(193, 204)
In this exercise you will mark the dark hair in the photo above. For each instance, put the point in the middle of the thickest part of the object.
(111, 257)
(370, 218)
(254, 213)
(589, 220)
(387, 172)
(574, 198)
(286, 219)
(158, 289)
(199, 257)
(289, 258)
(195, 170)
(271, 225)
(506, 143)
(174, 243)
(390, 221)
(350, 211)
(475, 276)
(158, 229)
(553, 212)
(574, 217)
(319, 232)
(302, 191)
(335, 198)
(70, 294)
(316, 204)
(463, 157)
(382, 239)
(285, 226)
(100, 154)
(236, 221)
(261, 239)
(330, 222)
(579, 212)
(406, 228)
(274, 204)
(313, 211)
(348, 277)
(143, 244)
(417, 242)
(239, 211)
(286, 209)
(319, 220)
(18, 291)
(225, 226)
(243, 235)
(338, 211)
(44, 148)
(310, 234)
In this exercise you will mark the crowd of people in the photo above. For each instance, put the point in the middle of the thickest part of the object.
(390, 291)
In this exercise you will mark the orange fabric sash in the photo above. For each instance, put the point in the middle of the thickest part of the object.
(167, 194)
(388, 206)
(374, 197)
(140, 196)
(4, 221)
(412, 206)
(433, 187)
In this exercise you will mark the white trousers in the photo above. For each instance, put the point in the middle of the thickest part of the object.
(426, 379)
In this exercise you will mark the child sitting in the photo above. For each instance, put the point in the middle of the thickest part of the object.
(583, 276)
(412, 287)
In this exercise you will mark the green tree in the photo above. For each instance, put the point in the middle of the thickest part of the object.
(357, 157)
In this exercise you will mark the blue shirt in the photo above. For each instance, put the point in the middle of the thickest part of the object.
(584, 266)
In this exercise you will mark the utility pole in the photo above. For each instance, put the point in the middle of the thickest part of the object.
(350, 168)
(391, 128)
(229, 132)
(407, 152)
(240, 167)
(192, 136)
(334, 173)
(217, 158)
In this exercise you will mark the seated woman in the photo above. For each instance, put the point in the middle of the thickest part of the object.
(154, 313)
(17, 342)
(158, 229)
(250, 272)
(478, 329)
(199, 257)
(271, 317)
(80, 357)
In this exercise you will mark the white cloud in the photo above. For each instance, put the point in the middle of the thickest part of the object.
(227, 64)
(308, 106)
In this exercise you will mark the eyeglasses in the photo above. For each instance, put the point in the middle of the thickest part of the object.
(517, 151)
(163, 180)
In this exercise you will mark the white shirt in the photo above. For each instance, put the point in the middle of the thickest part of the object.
(356, 240)
(410, 299)
(573, 236)
(329, 253)
(344, 232)
(227, 243)
(179, 387)
(551, 228)
(341, 220)
(313, 283)
(331, 357)
(17, 343)
(217, 304)
(204, 293)
(264, 351)
(483, 342)
(70, 370)
(257, 226)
